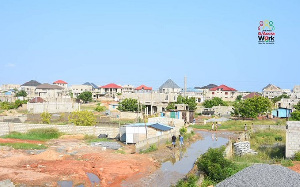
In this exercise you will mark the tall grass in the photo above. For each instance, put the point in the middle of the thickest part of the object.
(42, 134)
(152, 148)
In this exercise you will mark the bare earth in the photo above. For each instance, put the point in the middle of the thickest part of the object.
(70, 159)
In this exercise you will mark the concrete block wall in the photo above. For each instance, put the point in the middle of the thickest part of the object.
(266, 127)
(241, 148)
(292, 138)
(112, 132)
(158, 140)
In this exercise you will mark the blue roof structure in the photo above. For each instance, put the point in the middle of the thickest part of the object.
(161, 127)
(157, 126)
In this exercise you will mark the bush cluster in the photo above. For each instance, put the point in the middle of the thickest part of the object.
(84, 118)
(7, 105)
(215, 166)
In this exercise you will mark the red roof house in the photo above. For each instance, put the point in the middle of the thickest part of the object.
(222, 88)
(251, 95)
(111, 85)
(60, 82)
(37, 100)
(143, 87)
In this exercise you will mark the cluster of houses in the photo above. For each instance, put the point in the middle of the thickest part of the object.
(155, 101)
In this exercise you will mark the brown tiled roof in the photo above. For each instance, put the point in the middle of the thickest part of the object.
(37, 100)
(49, 86)
(251, 95)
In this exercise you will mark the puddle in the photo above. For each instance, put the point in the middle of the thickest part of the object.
(65, 183)
(94, 179)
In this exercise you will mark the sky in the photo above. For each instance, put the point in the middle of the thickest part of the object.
(147, 42)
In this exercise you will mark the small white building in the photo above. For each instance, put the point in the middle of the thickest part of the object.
(134, 133)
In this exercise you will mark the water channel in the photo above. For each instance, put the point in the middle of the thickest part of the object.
(182, 160)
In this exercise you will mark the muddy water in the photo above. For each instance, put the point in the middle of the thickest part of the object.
(182, 160)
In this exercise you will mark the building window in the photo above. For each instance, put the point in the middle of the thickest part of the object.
(226, 93)
(213, 93)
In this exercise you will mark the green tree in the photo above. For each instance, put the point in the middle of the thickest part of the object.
(85, 96)
(131, 105)
(21, 93)
(19, 103)
(83, 118)
(252, 107)
(239, 98)
(216, 101)
(297, 106)
(46, 117)
(171, 106)
(295, 116)
(191, 102)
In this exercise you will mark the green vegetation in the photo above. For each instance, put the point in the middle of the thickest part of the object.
(171, 106)
(84, 118)
(276, 99)
(85, 97)
(182, 130)
(239, 98)
(297, 156)
(14, 105)
(295, 116)
(191, 102)
(270, 145)
(215, 166)
(21, 93)
(152, 148)
(190, 181)
(131, 105)
(36, 134)
(92, 138)
(216, 101)
(252, 107)
(46, 117)
(286, 163)
(24, 146)
(100, 108)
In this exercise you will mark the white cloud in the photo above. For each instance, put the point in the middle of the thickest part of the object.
(10, 65)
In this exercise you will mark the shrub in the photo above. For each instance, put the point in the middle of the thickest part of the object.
(278, 138)
(100, 108)
(152, 148)
(286, 163)
(182, 131)
(297, 156)
(295, 116)
(46, 117)
(84, 118)
(190, 181)
(215, 166)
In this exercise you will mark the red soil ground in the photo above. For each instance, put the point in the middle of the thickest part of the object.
(73, 163)
(9, 140)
